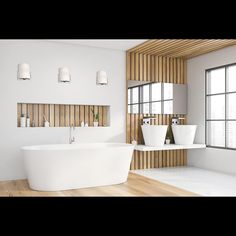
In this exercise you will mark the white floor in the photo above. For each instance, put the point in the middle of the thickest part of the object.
(200, 181)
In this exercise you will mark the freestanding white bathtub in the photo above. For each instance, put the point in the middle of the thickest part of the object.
(71, 166)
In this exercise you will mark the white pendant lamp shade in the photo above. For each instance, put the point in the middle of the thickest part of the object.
(64, 75)
(23, 71)
(102, 77)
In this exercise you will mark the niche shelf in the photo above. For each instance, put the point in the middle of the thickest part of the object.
(63, 115)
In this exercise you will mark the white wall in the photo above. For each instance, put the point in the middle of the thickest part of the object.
(209, 158)
(45, 58)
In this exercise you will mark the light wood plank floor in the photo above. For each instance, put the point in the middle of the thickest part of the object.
(136, 185)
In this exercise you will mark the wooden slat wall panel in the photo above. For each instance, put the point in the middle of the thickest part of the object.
(90, 116)
(61, 115)
(30, 112)
(96, 111)
(72, 115)
(46, 112)
(18, 114)
(144, 67)
(57, 115)
(182, 48)
(77, 115)
(100, 116)
(81, 114)
(52, 116)
(67, 115)
(40, 114)
(36, 115)
(24, 109)
(86, 115)
(104, 115)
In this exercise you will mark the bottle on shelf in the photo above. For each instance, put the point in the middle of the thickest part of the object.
(27, 121)
(22, 120)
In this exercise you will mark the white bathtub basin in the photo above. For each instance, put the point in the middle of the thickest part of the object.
(154, 135)
(184, 134)
(71, 166)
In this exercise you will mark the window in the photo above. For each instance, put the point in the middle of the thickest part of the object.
(133, 100)
(221, 107)
(152, 98)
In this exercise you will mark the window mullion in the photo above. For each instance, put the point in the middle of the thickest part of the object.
(162, 98)
(150, 99)
(226, 69)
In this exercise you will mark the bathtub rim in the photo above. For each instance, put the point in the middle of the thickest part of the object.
(75, 146)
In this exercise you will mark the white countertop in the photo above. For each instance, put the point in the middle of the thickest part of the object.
(168, 147)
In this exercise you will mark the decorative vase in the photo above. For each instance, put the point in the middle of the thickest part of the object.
(167, 141)
(95, 123)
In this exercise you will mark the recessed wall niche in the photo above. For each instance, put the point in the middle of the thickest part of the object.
(63, 115)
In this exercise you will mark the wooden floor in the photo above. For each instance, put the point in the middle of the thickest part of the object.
(136, 185)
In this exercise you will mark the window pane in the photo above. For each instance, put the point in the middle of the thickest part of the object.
(231, 106)
(216, 107)
(156, 107)
(156, 92)
(231, 134)
(135, 97)
(168, 107)
(146, 108)
(216, 81)
(216, 133)
(129, 111)
(231, 79)
(129, 97)
(135, 108)
(146, 93)
(168, 91)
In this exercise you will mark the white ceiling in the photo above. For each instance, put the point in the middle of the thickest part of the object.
(121, 44)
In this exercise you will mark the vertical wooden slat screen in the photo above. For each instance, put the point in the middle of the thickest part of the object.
(62, 115)
(72, 115)
(77, 123)
(90, 116)
(67, 116)
(35, 115)
(104, 115)
(52, 115)
(57, 115)
(147, 67)
(100, 115)
(86, 115)
(30, 112)
(18, 114)
(40, 114)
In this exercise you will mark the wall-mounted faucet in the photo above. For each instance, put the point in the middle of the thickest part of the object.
(176, 120)
(147, 120)
(71, 139)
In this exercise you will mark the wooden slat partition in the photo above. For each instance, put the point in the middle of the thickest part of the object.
(185, 48)
(142, 67)
(62, 115)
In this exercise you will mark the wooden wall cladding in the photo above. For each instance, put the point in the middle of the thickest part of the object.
(185, 48)
(142, 67)
(61, 115)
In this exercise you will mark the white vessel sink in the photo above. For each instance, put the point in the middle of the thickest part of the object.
(184, 134)
(154, 135)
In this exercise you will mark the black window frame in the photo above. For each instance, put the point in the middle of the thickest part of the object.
(150, 102)
(215, 94)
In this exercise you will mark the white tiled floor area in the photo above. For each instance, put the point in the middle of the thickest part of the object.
(200, 181)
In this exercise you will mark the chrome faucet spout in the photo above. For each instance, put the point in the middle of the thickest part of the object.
(147, 120)
(176, 120)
